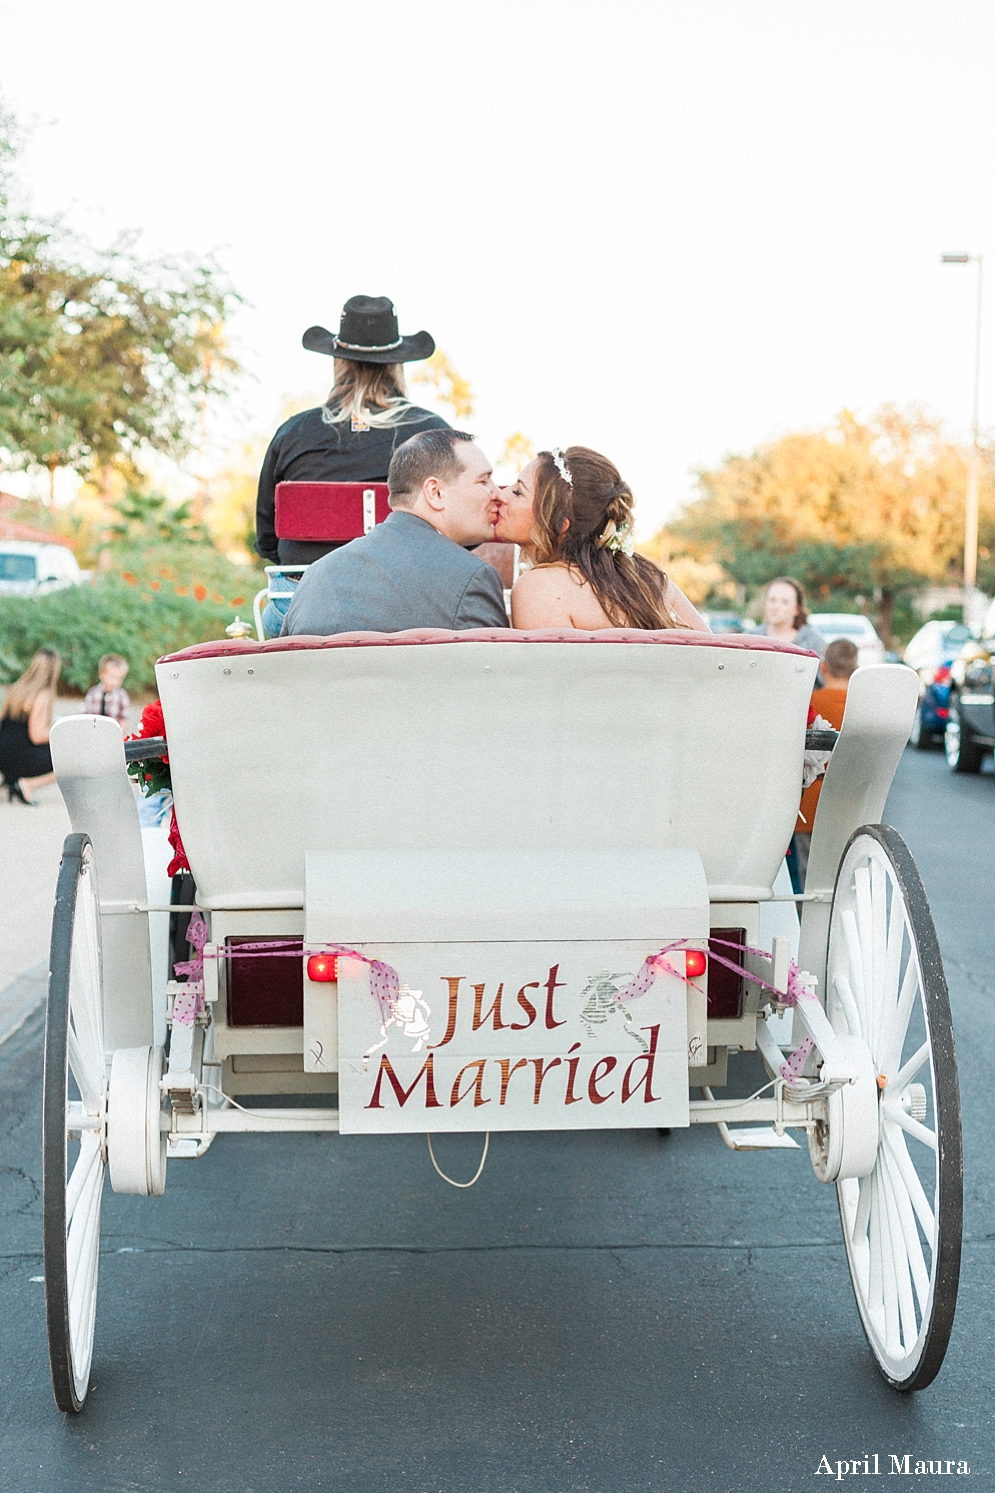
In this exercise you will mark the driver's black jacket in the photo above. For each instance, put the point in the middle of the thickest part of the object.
(305, 449)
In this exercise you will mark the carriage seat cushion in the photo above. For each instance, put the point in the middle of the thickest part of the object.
(668, 637)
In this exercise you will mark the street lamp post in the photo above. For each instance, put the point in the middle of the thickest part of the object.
(974, 465)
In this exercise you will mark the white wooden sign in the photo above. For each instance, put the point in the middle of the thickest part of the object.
(511, 1036)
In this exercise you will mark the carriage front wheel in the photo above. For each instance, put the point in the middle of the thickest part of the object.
(75, 1098)
(902, 1222)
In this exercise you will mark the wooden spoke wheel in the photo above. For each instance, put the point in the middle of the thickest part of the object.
(902, 1222)
(74, 1157)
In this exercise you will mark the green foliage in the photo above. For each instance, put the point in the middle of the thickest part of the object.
(101, 354)
(198, 570)
(111, 616)
(162, 548)
(152, 775)
(147, 516)
(871, 509)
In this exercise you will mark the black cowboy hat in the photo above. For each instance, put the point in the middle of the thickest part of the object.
(368, 334)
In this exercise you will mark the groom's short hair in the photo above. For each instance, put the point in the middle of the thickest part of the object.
(431, 453)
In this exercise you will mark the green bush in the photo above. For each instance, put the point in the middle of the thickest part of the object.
(186, 568)
(132, 617)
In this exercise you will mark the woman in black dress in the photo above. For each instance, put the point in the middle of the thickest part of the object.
(25, 723)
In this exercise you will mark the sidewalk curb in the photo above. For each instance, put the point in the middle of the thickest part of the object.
(21, 997)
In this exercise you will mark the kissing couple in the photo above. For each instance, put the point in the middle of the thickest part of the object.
(570, 512)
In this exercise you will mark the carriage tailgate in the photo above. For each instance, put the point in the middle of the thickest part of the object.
(510, 966)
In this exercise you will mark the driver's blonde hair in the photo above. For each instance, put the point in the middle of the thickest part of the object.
(373, 394)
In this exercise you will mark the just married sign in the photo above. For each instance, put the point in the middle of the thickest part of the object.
(510, 1036)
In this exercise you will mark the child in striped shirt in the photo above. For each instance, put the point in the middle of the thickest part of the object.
(108, 697)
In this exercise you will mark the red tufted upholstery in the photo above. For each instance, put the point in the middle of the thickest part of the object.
(670, 637)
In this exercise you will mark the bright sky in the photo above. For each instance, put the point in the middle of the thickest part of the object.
(664, 229)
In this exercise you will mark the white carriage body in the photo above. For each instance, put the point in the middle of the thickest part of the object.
(437, 800)
(513, 823)
(427, 795)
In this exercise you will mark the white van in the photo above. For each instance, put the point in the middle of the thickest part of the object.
(30, 569)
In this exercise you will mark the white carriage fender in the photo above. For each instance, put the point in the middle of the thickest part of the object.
(88, 758)
(880, 704)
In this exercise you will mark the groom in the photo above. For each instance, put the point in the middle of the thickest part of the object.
(413, 570)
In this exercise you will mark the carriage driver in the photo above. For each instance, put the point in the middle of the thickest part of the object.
(414, 569)
(352, 436)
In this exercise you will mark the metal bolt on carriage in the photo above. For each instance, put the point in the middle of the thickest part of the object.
(385, 942)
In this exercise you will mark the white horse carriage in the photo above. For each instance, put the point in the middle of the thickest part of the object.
(505, 881)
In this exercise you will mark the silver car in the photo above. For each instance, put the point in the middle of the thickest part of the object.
(856, 628)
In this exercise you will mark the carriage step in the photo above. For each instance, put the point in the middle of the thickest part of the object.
(757, 1138)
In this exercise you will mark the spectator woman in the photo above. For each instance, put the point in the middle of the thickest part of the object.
(25, 723)
(785, 617)
(352, 436)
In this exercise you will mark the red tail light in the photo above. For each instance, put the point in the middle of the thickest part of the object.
(942, 675)
(322, 967)
(695, 963)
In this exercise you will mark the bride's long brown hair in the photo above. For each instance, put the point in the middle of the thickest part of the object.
(597, 502)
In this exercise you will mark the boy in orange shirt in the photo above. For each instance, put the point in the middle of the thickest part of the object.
(839, 663)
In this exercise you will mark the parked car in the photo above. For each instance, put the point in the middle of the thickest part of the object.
(969, 735)
(856, 628)
(30, 569)
(727, 622)
(931, 652)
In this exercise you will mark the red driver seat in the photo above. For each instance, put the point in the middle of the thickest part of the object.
(329, 512)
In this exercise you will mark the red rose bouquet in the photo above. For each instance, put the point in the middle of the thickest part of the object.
(153, 774)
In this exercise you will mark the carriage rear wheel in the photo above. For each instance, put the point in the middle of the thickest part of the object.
(75, 1096)
(902, 1222)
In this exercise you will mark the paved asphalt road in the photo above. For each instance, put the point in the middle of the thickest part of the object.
(602, 1313)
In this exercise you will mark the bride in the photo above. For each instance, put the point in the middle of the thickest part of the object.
(571, 513)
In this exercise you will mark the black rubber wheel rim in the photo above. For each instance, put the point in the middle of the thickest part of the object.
(962, 752)
(73, 1106)
(902, 1225)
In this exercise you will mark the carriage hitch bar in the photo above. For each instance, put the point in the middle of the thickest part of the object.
(143, 748)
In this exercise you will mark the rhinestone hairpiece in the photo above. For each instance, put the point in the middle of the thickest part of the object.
(559, 461)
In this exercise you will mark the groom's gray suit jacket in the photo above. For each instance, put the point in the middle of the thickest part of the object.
(402, 574)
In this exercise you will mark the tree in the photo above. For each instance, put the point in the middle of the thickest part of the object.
(101, 354)
(148, 517)
(450, 388)
(517, 451)
(873, 508)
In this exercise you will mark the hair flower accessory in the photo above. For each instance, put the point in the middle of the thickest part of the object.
(559, 461)
(618, 540)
